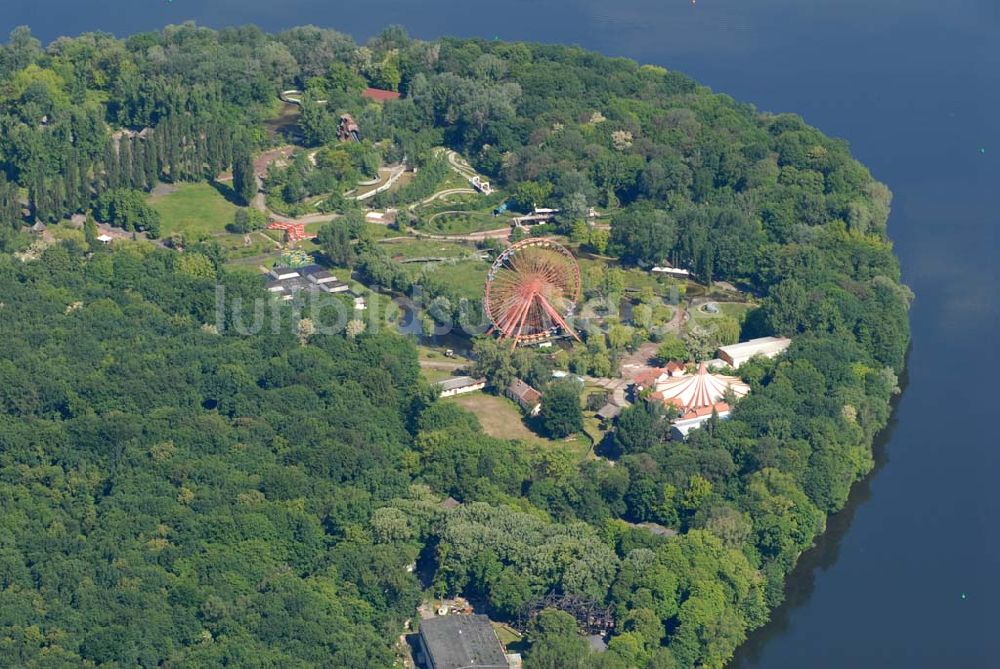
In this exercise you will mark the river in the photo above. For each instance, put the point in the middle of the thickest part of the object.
(907, 576)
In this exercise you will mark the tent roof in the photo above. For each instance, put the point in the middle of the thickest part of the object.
(697, 391)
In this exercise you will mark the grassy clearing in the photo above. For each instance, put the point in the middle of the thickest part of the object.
(236, 248)
(735, 310)
(436, 354)
(458, 201)
(635, 278)
(507, 634)
(403, 181)
(377, 231)
(453, 180)
(194, 209)
(427, 248)
(466, 275)
(435, 375)
(501, 418)
(461, 222)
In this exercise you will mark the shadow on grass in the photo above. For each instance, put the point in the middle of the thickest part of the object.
(608, 448)
(226, 192)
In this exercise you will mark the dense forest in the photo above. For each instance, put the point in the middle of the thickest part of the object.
(176, 494)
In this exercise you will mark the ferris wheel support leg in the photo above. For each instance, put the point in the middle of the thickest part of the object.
(556, 317)
(522, 317)
(510, 319)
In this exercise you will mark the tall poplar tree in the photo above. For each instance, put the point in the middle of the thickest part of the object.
(244, 180)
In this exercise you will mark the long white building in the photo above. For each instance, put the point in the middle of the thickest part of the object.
(768, 347)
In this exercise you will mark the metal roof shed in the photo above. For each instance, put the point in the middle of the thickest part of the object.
(461, 642)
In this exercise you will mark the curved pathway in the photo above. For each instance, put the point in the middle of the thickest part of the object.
(443, 193)
(394, 173)
(499, 233)
(294, 97)
(459, 164)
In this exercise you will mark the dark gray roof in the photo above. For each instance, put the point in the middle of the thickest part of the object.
(459, 382)
(311, 269)
(609, 411)
(334, 286)
(462, 642)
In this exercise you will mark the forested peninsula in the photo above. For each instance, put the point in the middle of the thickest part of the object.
(174, 493)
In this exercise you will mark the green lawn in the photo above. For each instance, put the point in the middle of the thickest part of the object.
(462, 222)
(735, 310)
(377, 231)
(501, 418)
(635, 278)
(236, 247)
(413, 247)
(468, 276)
(195, 209)
(507, 634)
(435, 375)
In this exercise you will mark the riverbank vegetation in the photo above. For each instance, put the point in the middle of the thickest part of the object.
(178, 493)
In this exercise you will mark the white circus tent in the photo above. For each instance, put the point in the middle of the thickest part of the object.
(699, 393)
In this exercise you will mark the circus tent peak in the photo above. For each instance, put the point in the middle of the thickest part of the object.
(692, 392)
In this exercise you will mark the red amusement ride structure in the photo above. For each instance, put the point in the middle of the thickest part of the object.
(531, 289)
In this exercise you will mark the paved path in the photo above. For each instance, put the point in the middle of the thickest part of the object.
(391, 175)
(459, 164)
(442, 365)
(499, 233)
(294, 97)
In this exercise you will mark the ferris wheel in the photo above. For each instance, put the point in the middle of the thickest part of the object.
(531, 290)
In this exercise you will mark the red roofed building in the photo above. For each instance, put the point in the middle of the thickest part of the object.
(526, 396)
(294, 232)
(379, 94)
(650, 377)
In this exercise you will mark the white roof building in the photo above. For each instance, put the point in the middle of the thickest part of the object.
(768, 347)
(460, 384)
(671, 271)
(697, 397)
(284, 273)
(680, 429)
(333, 286)
(696, 392)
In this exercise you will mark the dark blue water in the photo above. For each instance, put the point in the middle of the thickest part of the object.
(914, 85)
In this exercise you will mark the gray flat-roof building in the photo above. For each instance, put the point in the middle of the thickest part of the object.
(332, 286)
(461, 642)
(460, 384)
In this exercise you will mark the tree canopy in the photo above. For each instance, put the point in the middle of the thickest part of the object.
(177, 492)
